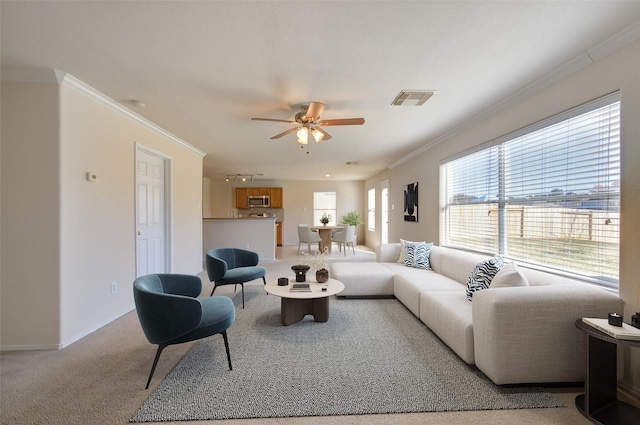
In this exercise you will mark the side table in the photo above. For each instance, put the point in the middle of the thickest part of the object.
(600, 402)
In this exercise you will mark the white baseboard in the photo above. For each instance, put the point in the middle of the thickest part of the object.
(30, 347)
(95, 328)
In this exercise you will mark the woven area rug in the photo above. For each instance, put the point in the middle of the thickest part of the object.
(372, 356)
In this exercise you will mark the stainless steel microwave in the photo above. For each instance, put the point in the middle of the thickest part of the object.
(259, 201)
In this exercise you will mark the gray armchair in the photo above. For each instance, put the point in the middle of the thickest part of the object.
(233, 266)
(170, 313)
(305, 235)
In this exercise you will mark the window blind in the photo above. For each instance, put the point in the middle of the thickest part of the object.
(324, 203)
(549, 197)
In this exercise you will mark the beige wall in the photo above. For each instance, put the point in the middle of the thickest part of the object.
(618, 71)
(77, 237)
(298, 201)
(29, 276)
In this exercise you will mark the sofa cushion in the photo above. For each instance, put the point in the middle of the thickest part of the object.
(363, 279)
(418, 255)
(409, 283)
(482, 275)
(450, 316)
(388, 252)
(454, 263)
(403, 250)
(509, 275)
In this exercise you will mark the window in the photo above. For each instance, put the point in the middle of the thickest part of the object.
(324, 203)
(371, 209)
(547, 195)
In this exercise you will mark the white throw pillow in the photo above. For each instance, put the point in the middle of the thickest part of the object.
(483, 274)
(509, 275)
(418, 255)
(403, 250)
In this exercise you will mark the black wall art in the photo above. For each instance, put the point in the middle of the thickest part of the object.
(411, 202)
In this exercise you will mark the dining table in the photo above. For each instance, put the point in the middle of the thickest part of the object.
(325, 233)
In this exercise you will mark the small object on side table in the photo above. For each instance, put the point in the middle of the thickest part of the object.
(322, 275)
(301, 272)
(615, 319)
(283, 281)
(635, 320)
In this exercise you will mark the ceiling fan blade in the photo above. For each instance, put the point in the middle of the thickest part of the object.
(327, 136)
(314, 111)
(284, 133)
(271, 119)
(343, 121)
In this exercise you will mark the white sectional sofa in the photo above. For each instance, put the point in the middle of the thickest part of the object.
(514, 335)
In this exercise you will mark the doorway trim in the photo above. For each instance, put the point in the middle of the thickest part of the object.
(167, 205)
(384, 212)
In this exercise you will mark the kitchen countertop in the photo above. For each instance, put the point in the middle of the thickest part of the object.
(242, 218)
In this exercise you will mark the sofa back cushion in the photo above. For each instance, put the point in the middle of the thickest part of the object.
(454, 263)
(458, 265)
(388, 253)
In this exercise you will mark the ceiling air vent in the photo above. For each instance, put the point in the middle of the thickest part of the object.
(412, 98)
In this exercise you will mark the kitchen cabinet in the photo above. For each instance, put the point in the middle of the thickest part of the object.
(276, 197)
(243, 193)
(242, 197)
(259, 191)
(279, 234)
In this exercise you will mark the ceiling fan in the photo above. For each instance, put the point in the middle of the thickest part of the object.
(310, 124)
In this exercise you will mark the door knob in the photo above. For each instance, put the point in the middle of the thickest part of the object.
(139, 232)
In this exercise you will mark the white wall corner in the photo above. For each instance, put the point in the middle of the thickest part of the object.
(608, 46)
(82, 88)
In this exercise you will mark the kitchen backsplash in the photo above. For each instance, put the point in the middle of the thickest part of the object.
(278, 213)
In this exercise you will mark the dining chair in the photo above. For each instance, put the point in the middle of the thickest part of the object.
(345, 237)
(305, 235)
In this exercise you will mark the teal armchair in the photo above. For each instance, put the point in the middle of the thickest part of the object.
(233, 266)
(170, 313)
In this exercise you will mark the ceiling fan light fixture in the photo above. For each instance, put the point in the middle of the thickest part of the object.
(303, 134)
(317, 135)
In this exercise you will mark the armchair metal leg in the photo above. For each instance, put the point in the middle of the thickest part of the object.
(213, 290)
(155, 363)
(226, 346)
(242, 287)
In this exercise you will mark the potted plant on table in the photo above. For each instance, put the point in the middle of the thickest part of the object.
(325, 219)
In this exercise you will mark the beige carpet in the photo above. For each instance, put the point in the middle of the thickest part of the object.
(100, 380)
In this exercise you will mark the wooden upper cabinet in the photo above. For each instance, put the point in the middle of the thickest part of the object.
(243, 193)
(259, 191)
(242, 197)
(276, 197)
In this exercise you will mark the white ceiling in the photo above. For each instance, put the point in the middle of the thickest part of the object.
(204, 68)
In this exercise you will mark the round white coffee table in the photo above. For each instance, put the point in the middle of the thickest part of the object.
(295, 305)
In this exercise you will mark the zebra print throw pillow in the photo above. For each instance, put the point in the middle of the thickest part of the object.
(403, 250)
(482, 275)
(418, 255)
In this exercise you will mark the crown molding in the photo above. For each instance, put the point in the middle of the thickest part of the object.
(608, 46)
(77, 85)
(66, 79)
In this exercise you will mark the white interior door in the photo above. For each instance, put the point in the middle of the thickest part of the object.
(384, 215)
(151, 213)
